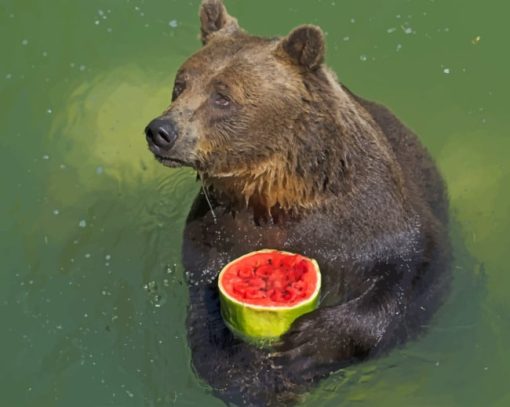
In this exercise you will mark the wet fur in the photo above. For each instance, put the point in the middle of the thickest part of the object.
(300, 163)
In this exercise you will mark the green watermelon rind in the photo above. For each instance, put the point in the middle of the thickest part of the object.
(264, 322)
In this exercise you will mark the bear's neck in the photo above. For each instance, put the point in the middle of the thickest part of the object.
(271, 189)
(343, 157)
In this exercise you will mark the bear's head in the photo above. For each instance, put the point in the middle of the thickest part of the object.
(258, 117)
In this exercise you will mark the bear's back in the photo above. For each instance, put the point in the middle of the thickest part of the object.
(419, 169)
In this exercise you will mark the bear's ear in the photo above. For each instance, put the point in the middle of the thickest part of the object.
(213, 18)
(305, 45)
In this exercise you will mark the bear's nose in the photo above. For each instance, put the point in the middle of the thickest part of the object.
(161, 133)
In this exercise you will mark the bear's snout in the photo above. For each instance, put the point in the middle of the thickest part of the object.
(161, 134)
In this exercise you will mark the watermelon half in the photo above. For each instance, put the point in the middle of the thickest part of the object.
(263, 292)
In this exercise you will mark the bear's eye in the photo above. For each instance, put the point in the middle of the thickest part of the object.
(178, 89)
(220, 100)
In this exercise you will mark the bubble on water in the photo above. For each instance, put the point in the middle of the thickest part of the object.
(56, 211)
(59, 327)
(158, 300)
(49, 111)
(24, 42)
(83, 223)
(46, 157)
(100, 12)
(407, 30)
(130, 394)
(97, 22)
(109, 29)
(82, 67)
(44, 54)
(391, 30)
(108, 257)
(62, 166)
(8, 76)
(87, 255)
(151, 286)
(173, 23)
(399, 47)
(99, 170)
(363, 58)
(446, 71)
(346, 38)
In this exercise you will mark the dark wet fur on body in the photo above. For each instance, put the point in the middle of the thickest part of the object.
(294, 161)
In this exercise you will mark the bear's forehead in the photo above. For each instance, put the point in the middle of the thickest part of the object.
(249, 55)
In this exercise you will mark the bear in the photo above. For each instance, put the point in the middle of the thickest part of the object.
(290, 159)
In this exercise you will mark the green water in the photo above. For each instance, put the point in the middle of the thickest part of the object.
(92, 294)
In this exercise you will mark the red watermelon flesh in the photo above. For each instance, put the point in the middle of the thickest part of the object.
(272, 279)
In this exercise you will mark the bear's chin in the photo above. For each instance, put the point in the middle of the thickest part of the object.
(171, 162)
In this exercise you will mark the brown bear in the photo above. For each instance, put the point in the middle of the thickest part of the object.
(291, 159)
